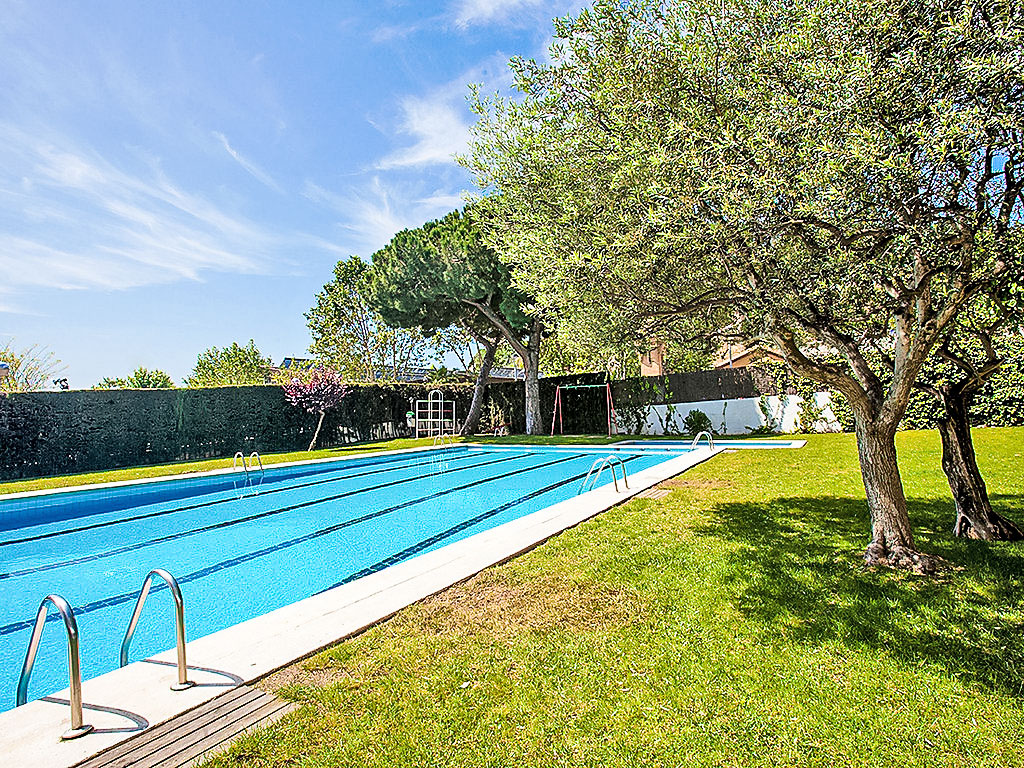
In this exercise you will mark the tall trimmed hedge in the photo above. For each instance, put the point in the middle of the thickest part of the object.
(48, 433)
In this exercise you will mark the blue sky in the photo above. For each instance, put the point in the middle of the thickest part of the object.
(180, 175)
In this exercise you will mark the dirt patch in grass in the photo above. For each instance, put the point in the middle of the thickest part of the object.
(494, 605)
(694, 482)
(302, 674)
(490, 605)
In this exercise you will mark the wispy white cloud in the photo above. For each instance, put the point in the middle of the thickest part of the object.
(439, 121)
(71, 219)
(442, 200)
(373, 213)
(255, 171)
(469, 13)
(389, 32)
(439, 126)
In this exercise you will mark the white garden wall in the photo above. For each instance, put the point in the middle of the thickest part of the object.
(739, 416)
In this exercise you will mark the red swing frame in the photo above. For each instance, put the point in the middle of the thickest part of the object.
(613, 416)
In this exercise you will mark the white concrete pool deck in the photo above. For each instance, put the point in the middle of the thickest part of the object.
(120, 704)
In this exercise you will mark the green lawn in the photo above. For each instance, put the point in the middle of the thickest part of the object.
(729, 624)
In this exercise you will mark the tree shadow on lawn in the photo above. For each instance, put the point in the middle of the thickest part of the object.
(798, 572)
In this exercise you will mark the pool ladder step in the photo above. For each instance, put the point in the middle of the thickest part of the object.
(67, 613)
(696, 440)
(247, 464)
(598, 467)
(179, 625)
(446, 440)
(78, 728)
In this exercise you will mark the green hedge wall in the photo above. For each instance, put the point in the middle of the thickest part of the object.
(48, 433)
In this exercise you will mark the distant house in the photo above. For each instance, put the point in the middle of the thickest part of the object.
(652, 362)
(740, 356)
(501, 374)
(297, 363)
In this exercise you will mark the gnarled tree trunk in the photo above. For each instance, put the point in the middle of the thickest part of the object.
(877, 411)
(469, 426)
(892, 541)
(975, 518)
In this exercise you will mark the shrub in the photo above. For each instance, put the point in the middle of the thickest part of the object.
(697, 422)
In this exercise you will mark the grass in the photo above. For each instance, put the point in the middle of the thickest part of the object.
(730, 623)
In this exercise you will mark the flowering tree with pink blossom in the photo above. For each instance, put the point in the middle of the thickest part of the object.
(318, 393)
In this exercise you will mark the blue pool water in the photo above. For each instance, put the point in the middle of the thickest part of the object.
(741, 443)
(240, 550)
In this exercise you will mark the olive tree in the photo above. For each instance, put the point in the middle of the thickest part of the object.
(826, 179)
(968, 357)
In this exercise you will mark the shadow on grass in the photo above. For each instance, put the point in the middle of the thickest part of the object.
(798, 573)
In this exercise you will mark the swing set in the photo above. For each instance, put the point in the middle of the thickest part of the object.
(613, 418)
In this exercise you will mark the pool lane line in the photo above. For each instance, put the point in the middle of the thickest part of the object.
(430, 541)
(125, 597)
(267, 492)
(199, 505)
(248, 518)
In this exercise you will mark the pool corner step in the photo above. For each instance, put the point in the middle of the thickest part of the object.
(196, 735)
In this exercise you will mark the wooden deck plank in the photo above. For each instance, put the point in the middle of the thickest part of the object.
(211, 735)
(161, 750)
(194, 734)
(209, 750)
(123, 754)
(182, 721)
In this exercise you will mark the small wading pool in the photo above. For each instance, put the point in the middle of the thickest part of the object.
(669, 444)
(242, 549)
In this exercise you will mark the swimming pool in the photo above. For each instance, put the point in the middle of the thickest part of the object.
(241, 549)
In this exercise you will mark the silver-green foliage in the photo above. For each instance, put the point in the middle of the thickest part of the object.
(838, 180)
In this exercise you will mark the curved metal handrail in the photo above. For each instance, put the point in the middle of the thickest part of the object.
(255, 455)
(610, 462)
(234, 463)
(179, 616)
(696, 440)
(446, 440)
(74, 668)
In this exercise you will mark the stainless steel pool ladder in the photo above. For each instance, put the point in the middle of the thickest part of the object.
(447, 440)
(599, 465)
(78, 728)
(179, 622)
(247, 464)
(696, 440)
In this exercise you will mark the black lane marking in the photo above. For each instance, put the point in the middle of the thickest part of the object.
(125, 597)
(415, 549)
(246, 519)
(199, 505)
